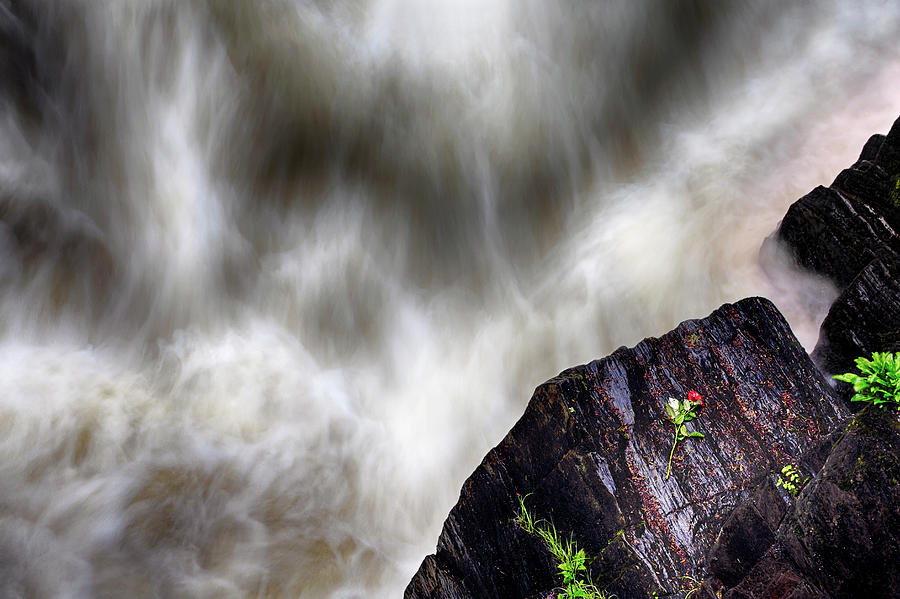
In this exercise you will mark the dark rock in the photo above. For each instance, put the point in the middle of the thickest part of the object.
(870, 150)
(839, 539)
(591, 452)
(842, 533)
(775, 577)
(433, 581)
(869, 184)
(889, 152)
(751, 529)
(747, 534)
(865, 318)
(836, 231)
(836, 235)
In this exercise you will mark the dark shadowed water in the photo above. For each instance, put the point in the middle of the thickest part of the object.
(274, 276)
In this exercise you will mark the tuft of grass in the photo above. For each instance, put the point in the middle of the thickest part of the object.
(572, 562)
(524, 518)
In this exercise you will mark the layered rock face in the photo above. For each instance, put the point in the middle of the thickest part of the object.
(838, 540)
(590, 451)
(865, 318)
(836, 231)
(848, 232)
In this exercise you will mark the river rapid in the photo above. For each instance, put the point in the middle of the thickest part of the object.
(275, 275)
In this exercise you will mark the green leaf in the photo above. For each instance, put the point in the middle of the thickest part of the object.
(696, 435)
(862, 364)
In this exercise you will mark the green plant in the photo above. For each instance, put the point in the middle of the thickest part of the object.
(880, 380)
(572, 562)
(679, 413)
(791, 480)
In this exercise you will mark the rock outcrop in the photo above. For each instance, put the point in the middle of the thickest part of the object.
(591, 453)
(836, 231)
(837, 541)
(865, 318)
(848, 232)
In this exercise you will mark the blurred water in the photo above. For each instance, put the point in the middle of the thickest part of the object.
(276, 275)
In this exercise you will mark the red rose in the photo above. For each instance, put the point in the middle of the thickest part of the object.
(695, 397)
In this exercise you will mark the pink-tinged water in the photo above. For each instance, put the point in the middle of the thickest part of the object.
(275, 276)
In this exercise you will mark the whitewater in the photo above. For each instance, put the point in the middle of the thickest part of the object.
(275, 276)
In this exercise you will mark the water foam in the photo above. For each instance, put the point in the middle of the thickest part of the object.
(277, 276)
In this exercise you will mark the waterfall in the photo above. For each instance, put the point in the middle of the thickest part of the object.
(276, 275)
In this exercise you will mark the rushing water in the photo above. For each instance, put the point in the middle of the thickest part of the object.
(276, 275)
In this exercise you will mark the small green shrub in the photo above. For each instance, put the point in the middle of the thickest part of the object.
(879, 383)
(895, 192)
(791, 480)
(572, 561)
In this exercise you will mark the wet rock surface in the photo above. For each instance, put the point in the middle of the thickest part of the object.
(837, 231)
(849, 233)
(591, 451)
(747, 534)
(837, 540)
(865, 318)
